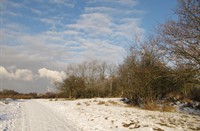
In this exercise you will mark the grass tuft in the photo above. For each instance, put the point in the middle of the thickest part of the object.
(152, 107)
(79, 103)
(167, 108)
(101, 102)
(155, 107)
(113, 102)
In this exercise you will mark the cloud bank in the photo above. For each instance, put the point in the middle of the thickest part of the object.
(19, 74)
(54, 76)
(28, 75)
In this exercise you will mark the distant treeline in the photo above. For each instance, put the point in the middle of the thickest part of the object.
(164, 65)
(16, 95)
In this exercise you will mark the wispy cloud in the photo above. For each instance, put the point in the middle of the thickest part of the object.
(13, 4)
(120, 2)
(36, 11)
(65, 33)
(94, 34)
(126, 2)
(101, 9)
(63, 2)
(94, 23)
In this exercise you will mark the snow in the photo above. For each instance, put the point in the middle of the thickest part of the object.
(33, 115)
(97, 114)
(8, 114)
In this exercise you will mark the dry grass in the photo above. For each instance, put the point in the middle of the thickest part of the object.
(113, 103)
(50, 99)
(152, 107)
(167, 108)
(157, 129)
(107, 103)
(110, 102)
(87, 103)
(195, 128)
(127, 124)
(130, 106)
(106, 118)
(131, 125)
(155, 107)
(53, 99)
(101, 102)
(79, 103)
(69, 99)
(187, 100)
(95, 100)
(165, 124)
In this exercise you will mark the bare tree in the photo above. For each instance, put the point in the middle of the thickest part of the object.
(182, 37)
(82, 69)
(103, 68)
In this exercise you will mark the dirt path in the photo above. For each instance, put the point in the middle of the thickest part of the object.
(35, 116)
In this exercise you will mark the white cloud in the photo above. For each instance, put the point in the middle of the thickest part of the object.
(53, 22)
(36, 11)
(4, 73)
(23, 74)
(70, 32)
(128, 27)
(100, 9)
(63, 2)
(54, 76)
(11, 13)
(19, 74)
(95, 23)
(126, 2)
(120, 2)
(111, 11)
(48, 21)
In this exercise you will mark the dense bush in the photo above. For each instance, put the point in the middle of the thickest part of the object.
(145, 78)
(194, 94)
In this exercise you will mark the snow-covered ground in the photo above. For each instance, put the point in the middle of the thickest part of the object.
(99, 114)
(8, 114)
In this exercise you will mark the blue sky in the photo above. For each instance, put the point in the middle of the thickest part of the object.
(48, 35)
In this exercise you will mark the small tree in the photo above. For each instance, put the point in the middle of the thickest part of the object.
(73, 86)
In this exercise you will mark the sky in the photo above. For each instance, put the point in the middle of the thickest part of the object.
(39, 38)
